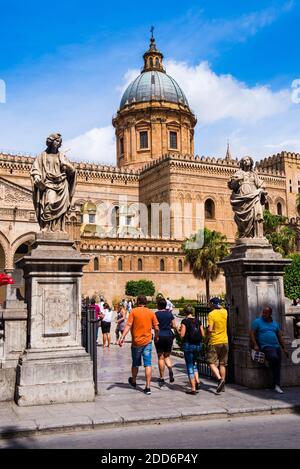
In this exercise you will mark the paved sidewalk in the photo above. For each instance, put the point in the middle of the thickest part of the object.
(118, 404)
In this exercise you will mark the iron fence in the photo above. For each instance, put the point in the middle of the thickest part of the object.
(201, 313)
(89, 331)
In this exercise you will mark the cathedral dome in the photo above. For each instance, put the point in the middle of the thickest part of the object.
(153, 85)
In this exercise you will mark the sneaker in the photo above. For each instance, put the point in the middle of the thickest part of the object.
(220, 387)
(171, 374)
(161, 382)
(197, 386)
(147, 391)
(278, 389)
(131, 382)
(190, 391)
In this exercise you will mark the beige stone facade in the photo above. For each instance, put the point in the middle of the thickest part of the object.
(105, 219)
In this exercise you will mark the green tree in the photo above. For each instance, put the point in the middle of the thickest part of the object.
(272, 222)
(279, 234)
(292, 278)
(203, 261)
(298, 203)
(140, 287)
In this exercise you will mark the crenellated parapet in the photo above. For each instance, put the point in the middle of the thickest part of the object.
(277, 162)
(190, 163)
(206, 165)
(86, 171)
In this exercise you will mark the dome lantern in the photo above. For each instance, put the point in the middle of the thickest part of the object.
(154, 116)
(153, 58)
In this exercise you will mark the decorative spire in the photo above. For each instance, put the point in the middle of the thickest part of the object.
(228, 154)
(153, 58)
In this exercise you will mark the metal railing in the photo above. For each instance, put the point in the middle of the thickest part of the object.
(89, 330)
(201, 313)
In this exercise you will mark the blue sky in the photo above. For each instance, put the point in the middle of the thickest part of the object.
(65, 65)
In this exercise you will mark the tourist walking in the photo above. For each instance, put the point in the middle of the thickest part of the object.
(106, 318)
(94, 306)
(121, 320)
(163, 345)
(170, 305)
(129, 306)
(217, 354)
(141, 321)
(267, 337)
(101, 304)
(191, 332)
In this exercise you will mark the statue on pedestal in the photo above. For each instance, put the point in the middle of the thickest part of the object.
(247, 200)
(54, 181)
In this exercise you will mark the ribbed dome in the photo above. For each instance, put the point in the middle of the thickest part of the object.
(153, 86)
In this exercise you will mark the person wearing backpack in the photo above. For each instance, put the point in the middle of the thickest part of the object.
(191, 332)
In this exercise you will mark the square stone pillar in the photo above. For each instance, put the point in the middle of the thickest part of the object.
(54, 368)
(254, 279)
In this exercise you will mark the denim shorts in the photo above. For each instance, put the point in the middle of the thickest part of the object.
(191, 356)
(144, 351)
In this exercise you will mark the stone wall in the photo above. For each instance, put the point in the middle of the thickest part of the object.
(112, 285)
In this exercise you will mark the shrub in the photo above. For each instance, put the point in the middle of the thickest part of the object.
(140, 287)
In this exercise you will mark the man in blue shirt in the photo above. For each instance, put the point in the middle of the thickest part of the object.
(266, 336)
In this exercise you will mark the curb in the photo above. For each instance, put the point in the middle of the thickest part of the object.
(35, 429)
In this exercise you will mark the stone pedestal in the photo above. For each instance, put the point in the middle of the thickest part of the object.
(254, 279)
(54, 368)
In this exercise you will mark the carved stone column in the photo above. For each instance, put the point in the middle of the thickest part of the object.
(54, 368)
(254, 279)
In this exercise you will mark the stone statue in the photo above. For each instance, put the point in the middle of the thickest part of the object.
(54, 182)
(247, 200)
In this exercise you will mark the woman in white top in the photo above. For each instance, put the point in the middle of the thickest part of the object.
(106, 318)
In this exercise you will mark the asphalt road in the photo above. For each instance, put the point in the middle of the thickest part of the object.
(275, 431)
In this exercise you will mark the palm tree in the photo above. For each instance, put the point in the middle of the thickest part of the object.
(203, 261)
(298, 203)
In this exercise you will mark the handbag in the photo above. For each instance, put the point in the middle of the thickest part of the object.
(258, 357)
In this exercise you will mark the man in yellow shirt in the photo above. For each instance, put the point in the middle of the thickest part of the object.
(217, 355)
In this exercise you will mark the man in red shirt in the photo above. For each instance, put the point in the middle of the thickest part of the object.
(141, 321)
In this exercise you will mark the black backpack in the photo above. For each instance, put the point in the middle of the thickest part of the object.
(193, 332)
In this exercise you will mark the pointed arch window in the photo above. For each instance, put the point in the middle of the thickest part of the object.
(96, 264)
(180, 265)
(209, 209)
(120, 264)
(279, 208)
(140, 265)
(162, 265)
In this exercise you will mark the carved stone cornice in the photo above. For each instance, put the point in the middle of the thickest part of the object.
(131, 245)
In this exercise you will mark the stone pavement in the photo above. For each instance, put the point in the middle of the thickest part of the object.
(118, 404)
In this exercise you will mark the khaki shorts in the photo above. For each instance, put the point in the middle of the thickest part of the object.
(217, 354)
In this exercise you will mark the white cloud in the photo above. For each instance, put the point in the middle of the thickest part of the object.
(96, 145)
(256, 120)
(214, 97)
